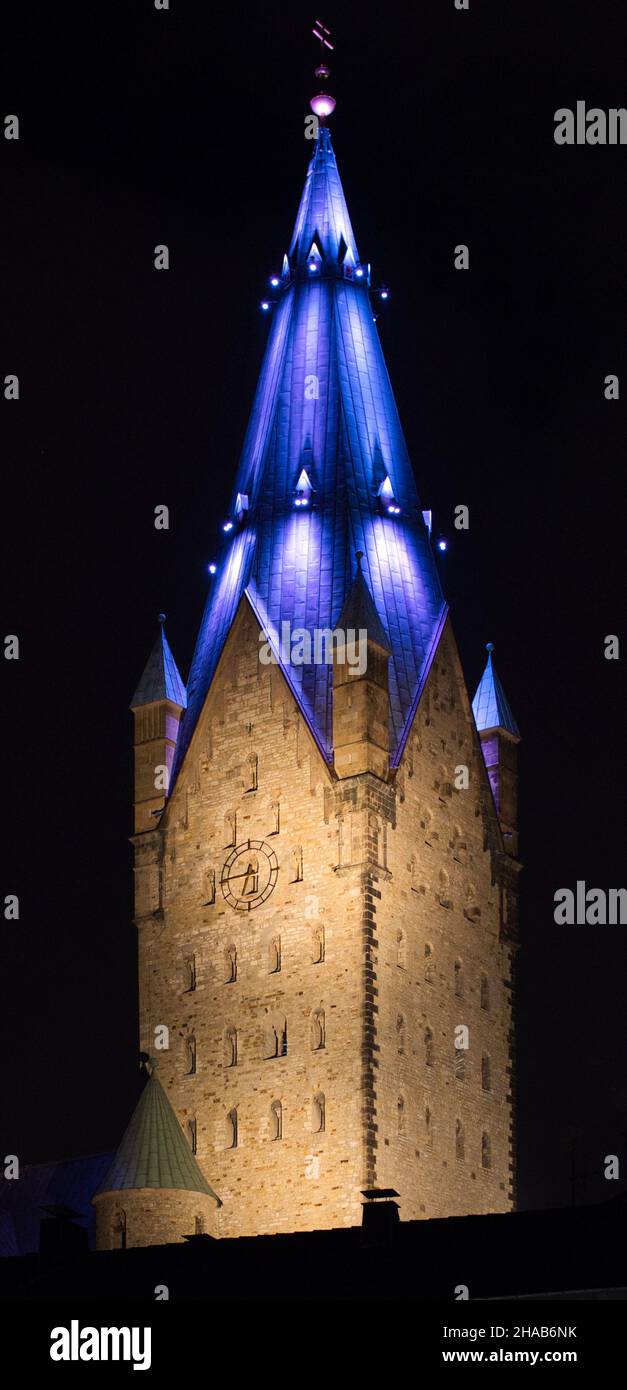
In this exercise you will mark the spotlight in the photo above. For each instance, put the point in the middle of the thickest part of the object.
(385, 294)
(265, 306)
(442, 543)
(212, 568)
(359, 272)
(274, 281)
(313, 265)
(227, 526)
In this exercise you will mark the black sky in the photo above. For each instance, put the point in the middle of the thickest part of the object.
(186, 127)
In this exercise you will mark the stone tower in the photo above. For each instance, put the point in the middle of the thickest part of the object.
(325, 897)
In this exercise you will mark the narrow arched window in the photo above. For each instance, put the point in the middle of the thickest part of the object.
(428, 1125)
(485, 993)
(428, 1047)
(318, 1113)
(460, 1142)
(400, 1035)
(486, 1151)
(317, 945)
(444, 895)
(458, 845)
(199, 1226)
(274, 956)
(230, 965)
(189, 974)
(276, 1120)
(401, 949)
(317, 1030)
(459, 979)
(119, 1231)
(190, 1055)
(192, 1134)
(230, 1047)
(297, 864)
(472, 910)
(428, 963)
(400, 1114)
(231, 1129)
(485, 1072)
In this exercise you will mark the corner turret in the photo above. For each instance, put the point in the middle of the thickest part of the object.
(158, 705)
(500, 737)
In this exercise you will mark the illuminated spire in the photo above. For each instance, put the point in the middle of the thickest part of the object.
(324, 404)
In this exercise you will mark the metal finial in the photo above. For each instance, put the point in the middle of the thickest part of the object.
(489, 646)
(322, 104)
(161, 618)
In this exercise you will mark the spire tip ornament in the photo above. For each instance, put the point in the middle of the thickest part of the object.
(322, 104)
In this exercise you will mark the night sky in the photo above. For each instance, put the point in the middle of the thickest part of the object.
(138, 128)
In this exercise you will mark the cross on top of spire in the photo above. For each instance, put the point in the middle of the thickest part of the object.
(321, 32)
(322, 104)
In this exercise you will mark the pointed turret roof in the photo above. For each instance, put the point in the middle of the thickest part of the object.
(153, 1151)
(490, 706)
(161, 679)
(324, 403)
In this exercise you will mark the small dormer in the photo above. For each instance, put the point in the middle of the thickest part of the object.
(303, 492)
(387, 500)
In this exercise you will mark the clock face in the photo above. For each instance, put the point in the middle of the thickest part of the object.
(249, 875)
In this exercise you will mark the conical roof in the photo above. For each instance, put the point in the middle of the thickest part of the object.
(490, 705)
(161, 679)
(153, 1151)
(324, 403)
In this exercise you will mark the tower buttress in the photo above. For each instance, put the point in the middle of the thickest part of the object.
(361, 705)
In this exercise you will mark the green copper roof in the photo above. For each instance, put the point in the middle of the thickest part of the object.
(490, 706)
(154, 1151)
(161, 679)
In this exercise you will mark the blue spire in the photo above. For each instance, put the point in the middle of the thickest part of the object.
(490, 706)
(161, 679)
(324, 404)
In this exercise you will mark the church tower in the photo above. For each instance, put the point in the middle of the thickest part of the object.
(325, 894)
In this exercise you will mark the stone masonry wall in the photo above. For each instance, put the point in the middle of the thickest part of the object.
(440, 896)
(356, 862)
(308, 1178)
